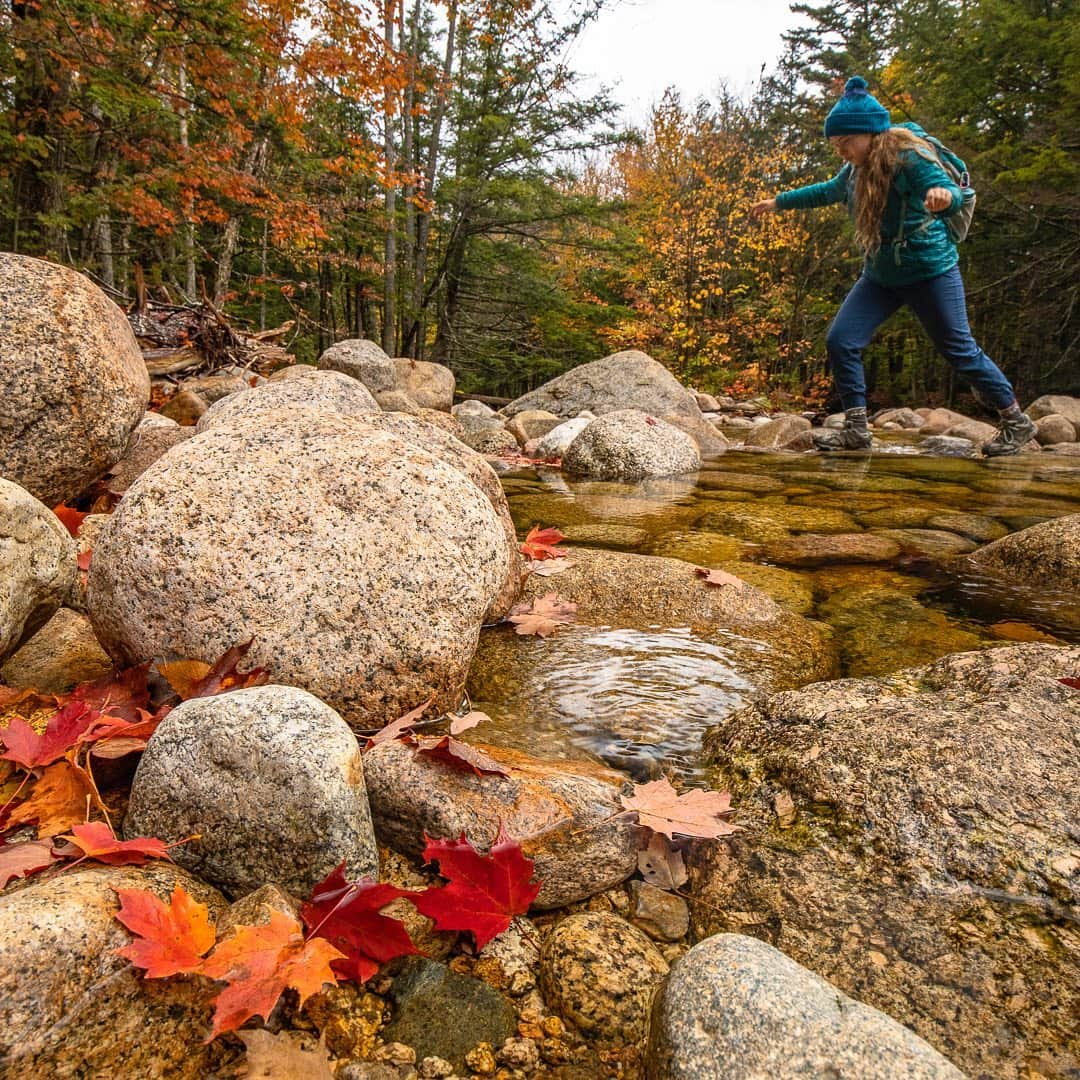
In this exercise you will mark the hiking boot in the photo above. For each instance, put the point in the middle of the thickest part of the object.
(1012, 435)
(853, 436)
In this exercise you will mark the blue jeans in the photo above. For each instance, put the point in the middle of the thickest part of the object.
(940, 307)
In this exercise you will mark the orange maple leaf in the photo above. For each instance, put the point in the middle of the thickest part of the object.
(543, 616)
(259, 962)
(540, 544)
(718, 577)
(57, 801)
(170, 939)
(97, 841)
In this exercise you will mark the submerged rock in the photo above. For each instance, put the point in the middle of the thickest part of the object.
(629, 445)
(734, 1007)
(598, 972)
(561, 812)
(316, 535)
(270, 782)
(1044, 556)
(37, 565)
(811, 550)
(71, 1006)
(926, 859)
(72, 379)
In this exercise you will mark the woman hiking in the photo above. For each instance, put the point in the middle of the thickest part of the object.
(897, 195)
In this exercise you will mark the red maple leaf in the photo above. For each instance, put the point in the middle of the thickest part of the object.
(1072, 683)
(83, 560)
(258, 962)
(540, 544)
(459, 755)
(22, 860)
(121, 694)
(347, 914)
(70, 517)
(484, 893)
(170, 939)
(27, 748)
(97, 841)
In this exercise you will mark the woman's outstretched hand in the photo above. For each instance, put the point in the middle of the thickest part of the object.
(936, 199)
(766, 206)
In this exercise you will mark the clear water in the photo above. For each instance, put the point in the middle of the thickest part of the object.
(641, 696)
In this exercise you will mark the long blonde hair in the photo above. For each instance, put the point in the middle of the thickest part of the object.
(874, 177)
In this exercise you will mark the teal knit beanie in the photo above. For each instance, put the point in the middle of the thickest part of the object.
(857, 112)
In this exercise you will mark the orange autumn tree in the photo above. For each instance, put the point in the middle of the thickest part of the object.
(715, 295)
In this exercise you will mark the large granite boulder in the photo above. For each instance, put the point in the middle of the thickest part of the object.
(557, 441)
(330, 391)
(624, 380)
(734, 1007)
(270, 783)
(361, 566)
(912, 839)
(63, 653)
(599, 972)
(72, 1007)
(563, 813)
(72, 379)
(1055, 429)
(1055, 404)
(37, 565)
(779, 433)
(1046, 556)
(629, 445)
(431, 386)
(363, 360)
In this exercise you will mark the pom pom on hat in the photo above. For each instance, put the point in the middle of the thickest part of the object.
(857, 112)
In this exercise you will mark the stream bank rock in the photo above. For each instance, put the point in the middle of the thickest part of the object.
(598, 972)
(37, 565)
(559, 811)
(1046, 556)
(629, 445)
(268, 779)
(734, 1008)
(431, 386)
(61, 654)
(154, 436)
(362, 359)
(329, 391)
(72, 379)
(72, 1007)
(315, 535)
(912, 839)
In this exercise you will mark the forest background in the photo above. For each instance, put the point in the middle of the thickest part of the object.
(430, 174)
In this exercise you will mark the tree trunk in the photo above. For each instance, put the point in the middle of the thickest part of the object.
(417, 332)
(254, 166)
(389, 328)
(189, 224)
(408, 165)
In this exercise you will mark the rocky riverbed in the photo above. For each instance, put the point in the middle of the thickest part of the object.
(876, 655)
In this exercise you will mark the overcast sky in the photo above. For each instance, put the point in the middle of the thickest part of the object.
(639, 47)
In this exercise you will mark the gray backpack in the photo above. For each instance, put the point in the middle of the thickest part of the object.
(959, 222)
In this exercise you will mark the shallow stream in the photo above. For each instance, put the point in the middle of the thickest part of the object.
(640, 696)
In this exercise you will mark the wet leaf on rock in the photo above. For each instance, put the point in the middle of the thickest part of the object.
(170, 939)
(543, 616)
(22, 860)
(459, 755)
(661, 864)
(695, 813)
(540, 543)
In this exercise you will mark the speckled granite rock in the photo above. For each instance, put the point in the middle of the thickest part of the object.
(440, 1013)
(557, 810)
(599, 972)
(556, 442)
(734, 1008)
(155, 435)
(314, 534)
(269, 779)
(212, 388)
(440, 443)
(292, 371)
(926, 862)
(623, 380)
(363, 360)
(330, 391)
(72, 379)
(489, 439)
(778, 433)
(37, 565)
(71, 1008)
(431, 386)
(938, 421)
(1044, 556)
(1055, 404)
(438, 418)
(629, 445)
(185, 407)
(397, 401)
(975, 430)
(710, 439)
(947, 446)
(812, 550)
(1054, 429)
(662, 915)
(907, 419)
(62, 653)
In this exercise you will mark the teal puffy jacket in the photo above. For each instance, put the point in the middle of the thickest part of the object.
(923, 249)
